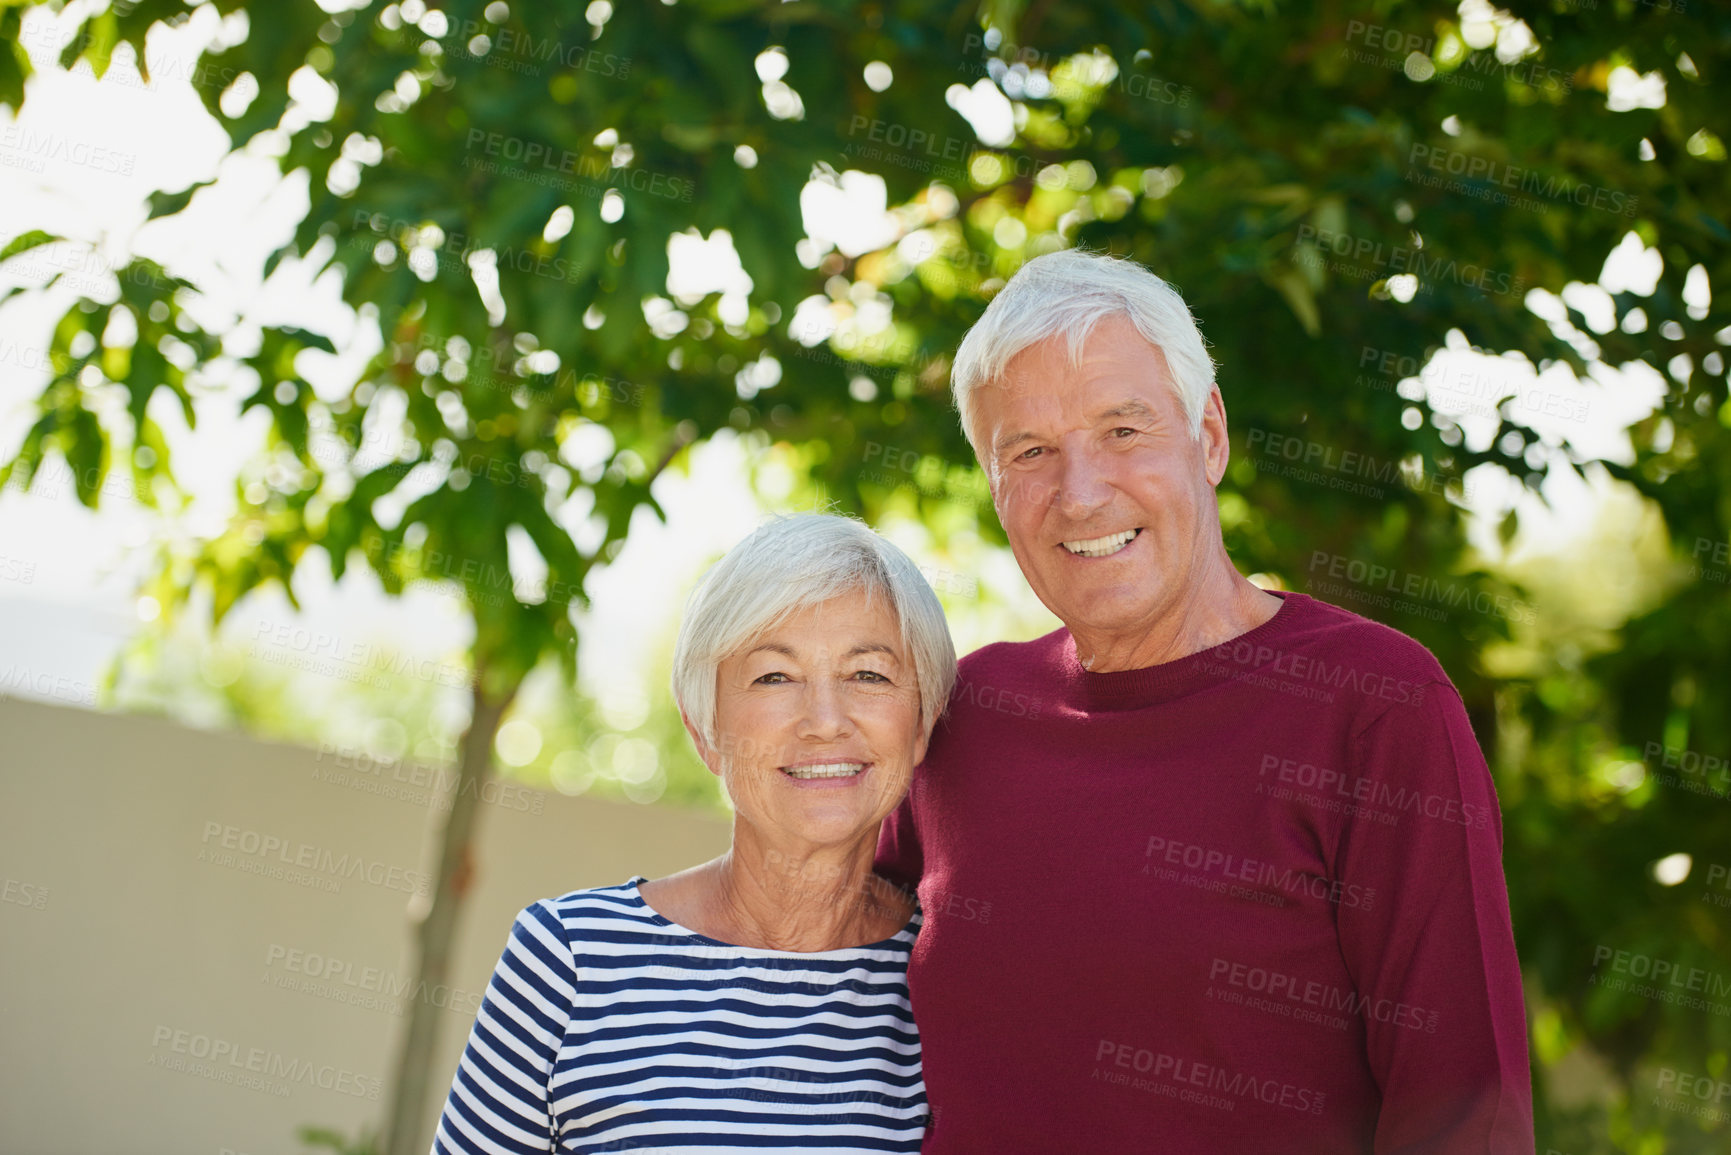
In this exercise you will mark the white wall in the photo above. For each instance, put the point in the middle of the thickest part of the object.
(132, 937)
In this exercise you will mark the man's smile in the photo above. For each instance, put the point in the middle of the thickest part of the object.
(1102, 546)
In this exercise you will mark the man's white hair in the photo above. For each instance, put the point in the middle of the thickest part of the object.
(791, 563)
(1069, 292)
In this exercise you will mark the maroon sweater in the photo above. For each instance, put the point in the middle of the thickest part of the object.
(1248, 900)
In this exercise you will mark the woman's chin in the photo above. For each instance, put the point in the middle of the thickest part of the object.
(819, 819)
(825, 821)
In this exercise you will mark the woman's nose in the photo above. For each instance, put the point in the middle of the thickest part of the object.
(825, 711)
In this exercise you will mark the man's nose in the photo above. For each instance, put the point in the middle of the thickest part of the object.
(1083, 488)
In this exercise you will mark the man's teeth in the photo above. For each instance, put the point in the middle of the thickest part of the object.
(825, 770)
(1102, 546)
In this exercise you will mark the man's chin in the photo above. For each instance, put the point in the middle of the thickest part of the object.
(1107, 612)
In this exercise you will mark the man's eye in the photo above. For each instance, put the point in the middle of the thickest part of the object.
(1028, 454)
(1123, 431)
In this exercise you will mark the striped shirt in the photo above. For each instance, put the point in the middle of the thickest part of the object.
(607, 1027)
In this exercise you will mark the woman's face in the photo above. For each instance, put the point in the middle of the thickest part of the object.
(818, 722)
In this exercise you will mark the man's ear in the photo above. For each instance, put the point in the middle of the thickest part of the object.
(1216, 449)
(704, 751)
(980, 441)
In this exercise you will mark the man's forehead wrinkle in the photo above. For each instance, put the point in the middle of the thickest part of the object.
(1130, 407)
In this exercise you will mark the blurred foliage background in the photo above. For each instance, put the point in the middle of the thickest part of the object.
(1395, 221)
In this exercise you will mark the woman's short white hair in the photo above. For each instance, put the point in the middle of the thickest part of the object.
(1069, 292)
(789, 564)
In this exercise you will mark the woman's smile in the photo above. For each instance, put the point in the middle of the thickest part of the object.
(826, 774)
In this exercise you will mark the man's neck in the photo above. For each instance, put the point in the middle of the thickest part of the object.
(1205, 616)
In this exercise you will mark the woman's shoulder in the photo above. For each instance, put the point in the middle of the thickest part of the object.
(620, 903)
(587, 932)
(583, 918)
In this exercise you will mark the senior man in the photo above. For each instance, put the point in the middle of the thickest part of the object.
(1209, 869)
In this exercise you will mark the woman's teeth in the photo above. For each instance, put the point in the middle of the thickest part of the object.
(1102, 546)
(825, 770)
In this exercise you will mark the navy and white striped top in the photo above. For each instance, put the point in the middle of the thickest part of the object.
(607, 1027)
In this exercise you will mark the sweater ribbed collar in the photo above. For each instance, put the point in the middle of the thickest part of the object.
(1127, 689)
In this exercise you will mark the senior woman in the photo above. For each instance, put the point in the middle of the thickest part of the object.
(758, 1001)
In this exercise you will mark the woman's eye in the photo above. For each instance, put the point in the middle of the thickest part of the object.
(871, 676)
(770, 678)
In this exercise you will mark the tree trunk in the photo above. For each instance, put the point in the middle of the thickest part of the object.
(406, 1107)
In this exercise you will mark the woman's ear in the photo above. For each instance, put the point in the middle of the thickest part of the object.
(924, 740)
(703, 750)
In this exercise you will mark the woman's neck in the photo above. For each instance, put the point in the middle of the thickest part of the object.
(803, 899)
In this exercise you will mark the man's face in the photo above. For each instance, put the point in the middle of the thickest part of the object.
(1107, 500)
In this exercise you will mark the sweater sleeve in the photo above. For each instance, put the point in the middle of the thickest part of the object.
(498, 1103)
(1433, 956)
